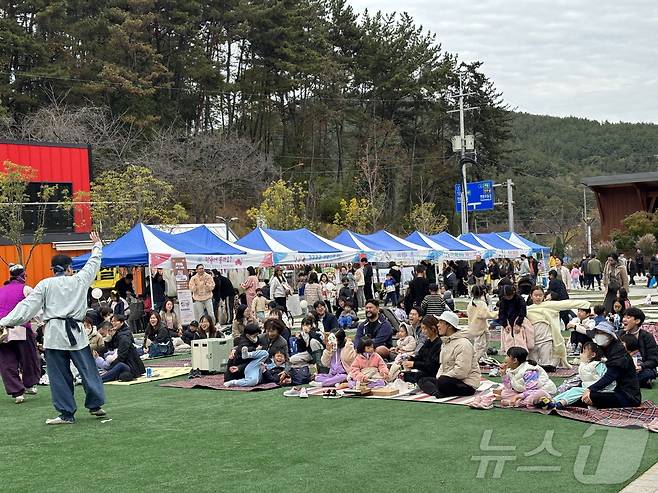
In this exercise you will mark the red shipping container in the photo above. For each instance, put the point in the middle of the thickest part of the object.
(56, 163)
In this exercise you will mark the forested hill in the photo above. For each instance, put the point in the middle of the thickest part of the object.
(547, 158)
(223, 98)
(580, 146)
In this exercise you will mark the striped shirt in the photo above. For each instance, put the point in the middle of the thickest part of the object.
(433, 304)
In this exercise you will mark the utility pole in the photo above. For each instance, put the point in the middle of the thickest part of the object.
(462, 157)
(510, 204)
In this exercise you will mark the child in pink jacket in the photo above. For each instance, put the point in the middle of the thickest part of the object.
(368, 366)
(525, 384)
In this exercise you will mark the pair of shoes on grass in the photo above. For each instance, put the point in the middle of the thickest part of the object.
(296, 392)
(332, 394)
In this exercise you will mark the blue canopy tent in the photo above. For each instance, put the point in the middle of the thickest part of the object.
(147, 246)
(456, 245)
(517, 239)
(299, 246)
(202, 235)
(454, 249)
(133, 248)
(494, 246)
(509, 249)
(383, 246)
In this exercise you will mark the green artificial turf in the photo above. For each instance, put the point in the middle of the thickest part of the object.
(164, 439)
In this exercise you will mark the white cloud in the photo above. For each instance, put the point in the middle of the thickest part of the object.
(590, 58)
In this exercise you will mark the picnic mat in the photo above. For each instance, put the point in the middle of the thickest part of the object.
(485, 387)
(214, 382)
(170, 363)
(558, 373)
(644, 416)
(162, 374)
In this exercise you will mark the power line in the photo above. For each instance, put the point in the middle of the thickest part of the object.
(218, 92)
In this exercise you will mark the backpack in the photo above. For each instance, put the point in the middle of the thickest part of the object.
(392, 319)
(300, 376)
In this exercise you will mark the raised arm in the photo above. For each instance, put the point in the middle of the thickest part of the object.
(90, 269)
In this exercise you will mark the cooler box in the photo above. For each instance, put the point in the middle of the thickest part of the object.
(211, 354)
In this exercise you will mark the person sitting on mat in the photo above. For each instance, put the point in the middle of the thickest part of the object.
(368, 367)
(590, 370)
(338, 357)
(348, 318)
(96, 340)
(272, 340)
(459, 373)
(524, 382)
(426, 362)
(192, 333)
(309, 344)
(415, 321)
(127, 365)
(377, 328)
(278, 314)
(278, 369)
(579, 326)
(632, 346)
(244, 365)
(620, 369)
(157, 340)
(406, 343)
(646, 369)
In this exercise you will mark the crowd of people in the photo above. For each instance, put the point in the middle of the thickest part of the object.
(419, 338)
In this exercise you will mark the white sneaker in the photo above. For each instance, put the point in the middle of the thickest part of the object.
(293, 392)
(315, 384)
(229, 383)
(31, 390)
(59, 421)
(19, 399)
(303, 394)
(245, 352)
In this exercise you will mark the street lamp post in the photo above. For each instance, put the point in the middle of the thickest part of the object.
(227, 222)
(464, 209)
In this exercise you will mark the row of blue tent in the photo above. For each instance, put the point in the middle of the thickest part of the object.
(147, 245)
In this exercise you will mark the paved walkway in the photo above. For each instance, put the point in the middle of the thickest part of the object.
(647, 483)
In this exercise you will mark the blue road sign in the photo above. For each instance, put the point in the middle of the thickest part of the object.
(480, 196)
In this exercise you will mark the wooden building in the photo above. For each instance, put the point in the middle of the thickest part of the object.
(618, 196)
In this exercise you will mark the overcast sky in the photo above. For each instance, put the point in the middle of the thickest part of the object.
(590, 58)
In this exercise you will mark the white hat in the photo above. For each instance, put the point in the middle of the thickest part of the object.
(97, 293)
(451, 318)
